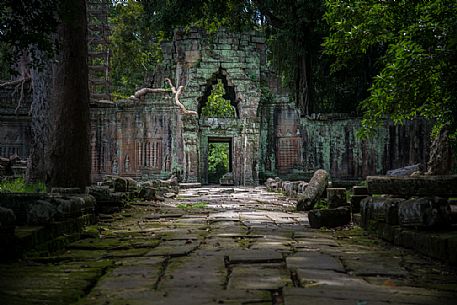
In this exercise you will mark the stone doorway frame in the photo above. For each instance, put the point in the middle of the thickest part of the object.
(204, 154)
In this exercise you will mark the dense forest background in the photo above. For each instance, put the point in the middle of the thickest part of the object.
(381, 59)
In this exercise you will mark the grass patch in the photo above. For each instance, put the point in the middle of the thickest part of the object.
(322, 204)
(196, 205)
(20, 186)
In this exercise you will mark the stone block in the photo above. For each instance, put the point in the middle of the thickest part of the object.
(355, 202)
(147, 193)
(425, 212)
(445, 186)
(65, 190)
(19, 203)
(379, 209)
(405, 171)
(336, 197)
(41, 212)
(227, 179)
(7, 221)
(360, 190)
(313, 191)
(329, 218)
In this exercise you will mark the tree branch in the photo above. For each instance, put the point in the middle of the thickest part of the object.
(275, 21)
(140, 93)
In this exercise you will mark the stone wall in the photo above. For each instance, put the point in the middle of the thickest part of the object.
(15, 134)
(135, 138)
(298, 146)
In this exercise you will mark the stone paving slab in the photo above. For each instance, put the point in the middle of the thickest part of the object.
(374, 265)
(314, 260)
(254, 256)
(246, 247)
(174, 248)
(267, 277)
(310, 278)
(184, 296)
(375, 295)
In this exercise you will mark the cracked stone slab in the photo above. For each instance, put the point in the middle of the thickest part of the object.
(254, 256)
(358, 296)
(373, 265)
(314, 260)
(185, 296)
(269, 277)
(174, 248)
(310, 278)
(194, 272)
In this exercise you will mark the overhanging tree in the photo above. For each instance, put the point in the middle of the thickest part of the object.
(418, 68)
(54, 32)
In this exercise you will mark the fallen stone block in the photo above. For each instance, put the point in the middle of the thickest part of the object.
(7, 221)
(278, 184)
(66, 190)
(227, 179)
(41, 212)
(379, 209)
(148, 193)
(20, 202)
(355, 202)
(405, 171)
(313, 191)
(425, 212)
(329, 218)
(120, 184)
(336, 197)
(302, 186)
(268, 184)
(360, 190)
(444, 186)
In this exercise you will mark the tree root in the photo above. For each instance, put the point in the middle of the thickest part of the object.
(19, 87)
(177, 92)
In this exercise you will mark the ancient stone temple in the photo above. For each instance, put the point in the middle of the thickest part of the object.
(150, 137)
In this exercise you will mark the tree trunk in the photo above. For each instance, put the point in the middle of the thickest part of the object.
(440, 160)
(60, 110)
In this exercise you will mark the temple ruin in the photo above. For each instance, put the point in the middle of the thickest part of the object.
(150, 137)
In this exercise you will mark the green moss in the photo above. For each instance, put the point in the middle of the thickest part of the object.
(321, 204)
(19, 186)
(196, 205)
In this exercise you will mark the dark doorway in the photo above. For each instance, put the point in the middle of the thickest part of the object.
(219, 158)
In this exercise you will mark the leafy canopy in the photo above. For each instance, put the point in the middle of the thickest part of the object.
(218, 161)
(135, 47)
(418, 66)
(217, 106)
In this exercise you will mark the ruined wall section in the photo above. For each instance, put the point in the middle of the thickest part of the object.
(135, 138)
(15, 122)
(295, 147)
(200, 57)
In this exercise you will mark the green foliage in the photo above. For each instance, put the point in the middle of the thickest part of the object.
(5, 61)
(135, 48)
(207, 14)
(418, 66)
(322, 204)
(19, 186)
(218, 161)
(217, 106)
(25, 23)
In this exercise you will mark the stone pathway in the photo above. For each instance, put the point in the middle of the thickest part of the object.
(225, 246)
